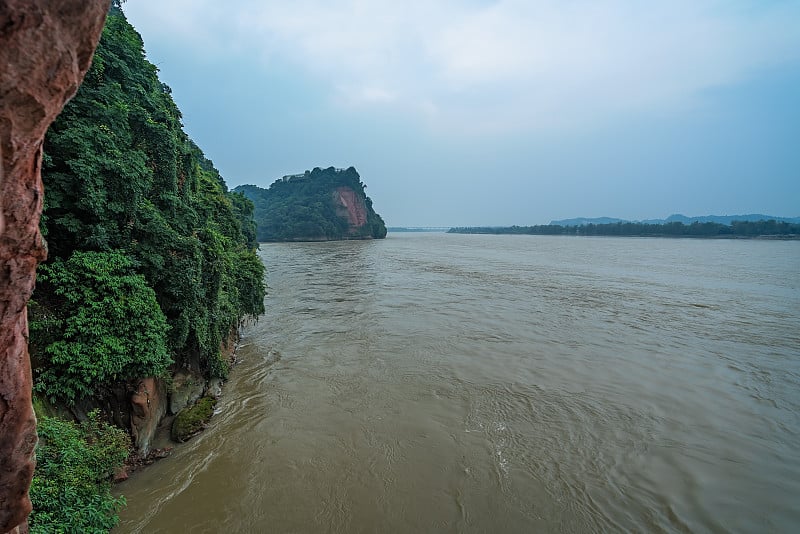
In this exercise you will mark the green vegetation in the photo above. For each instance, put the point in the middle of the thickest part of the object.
(424, 229)
(71, 489)
(151, 259)
(304, 207)
(108, 326)
(192, 419)
(152, 265)
(674, 229)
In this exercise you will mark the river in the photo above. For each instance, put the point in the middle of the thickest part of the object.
(472, 383)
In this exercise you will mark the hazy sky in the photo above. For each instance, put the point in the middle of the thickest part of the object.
(478, 112)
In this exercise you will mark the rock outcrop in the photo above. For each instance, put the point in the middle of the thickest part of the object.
(193, 419)
(46, 46)
(187, 387)
(148, 407)
(351, 207)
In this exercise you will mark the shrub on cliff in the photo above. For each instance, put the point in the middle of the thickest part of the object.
(109, 326)
(71, 490)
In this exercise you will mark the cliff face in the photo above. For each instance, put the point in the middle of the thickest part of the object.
(351, 207)
(148, 407)
(318, 205)
(45, 49)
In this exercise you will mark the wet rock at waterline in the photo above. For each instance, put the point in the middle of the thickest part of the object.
(192, 420)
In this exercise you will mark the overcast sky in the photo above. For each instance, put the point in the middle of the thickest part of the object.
(478, 112)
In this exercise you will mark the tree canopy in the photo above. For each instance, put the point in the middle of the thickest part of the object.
(771, 228)
(127, 190)
(100, 324)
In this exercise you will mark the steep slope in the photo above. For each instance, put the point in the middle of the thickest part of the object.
(132, 202)
(151, 269)
(319, 205)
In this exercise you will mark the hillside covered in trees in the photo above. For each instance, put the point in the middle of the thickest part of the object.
(319, 205)
(678, 218)
(771, 228)
(152, 267)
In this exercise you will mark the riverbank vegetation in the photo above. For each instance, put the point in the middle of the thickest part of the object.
(71, 489)
(771, 228)
(152, 264)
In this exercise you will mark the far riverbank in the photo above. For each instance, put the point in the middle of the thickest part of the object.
(770, 229)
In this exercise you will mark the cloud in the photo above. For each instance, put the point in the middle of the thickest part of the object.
(495, 66)
(366, 94)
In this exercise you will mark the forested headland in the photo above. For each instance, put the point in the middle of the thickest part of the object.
(318, 205)
(737, 229)
(152, 267)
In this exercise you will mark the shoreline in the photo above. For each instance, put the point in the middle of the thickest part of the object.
(162, 444)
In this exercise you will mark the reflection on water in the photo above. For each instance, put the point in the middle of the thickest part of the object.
(454, 383)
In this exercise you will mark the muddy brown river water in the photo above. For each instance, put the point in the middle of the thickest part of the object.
(467, 383)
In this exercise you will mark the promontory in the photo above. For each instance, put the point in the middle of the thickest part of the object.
(319, 205)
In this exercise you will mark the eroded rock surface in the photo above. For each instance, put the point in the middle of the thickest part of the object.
(148, 407)
(350, 206)
(187, 387)
(46, 46)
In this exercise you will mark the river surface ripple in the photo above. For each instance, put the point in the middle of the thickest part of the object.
(467, 383)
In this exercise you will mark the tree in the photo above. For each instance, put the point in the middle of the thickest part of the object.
(99, 323)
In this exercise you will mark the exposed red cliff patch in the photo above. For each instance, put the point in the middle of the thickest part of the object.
(350, 206)
(46, 47)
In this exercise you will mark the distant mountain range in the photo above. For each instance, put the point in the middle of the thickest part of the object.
(720, 219)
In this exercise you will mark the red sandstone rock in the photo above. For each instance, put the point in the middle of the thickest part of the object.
(351, 206)
(148, 407)
(46, 46)
(121, 474)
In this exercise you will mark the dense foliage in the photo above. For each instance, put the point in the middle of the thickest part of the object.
(152, 265)
(769, 228)
(151, 259)
(107, 325)
(304, 207)
(71, 489)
